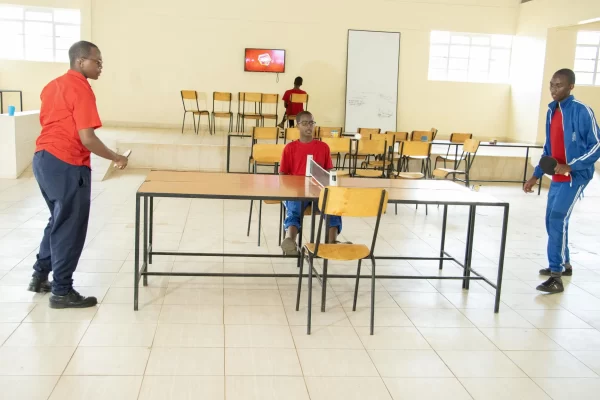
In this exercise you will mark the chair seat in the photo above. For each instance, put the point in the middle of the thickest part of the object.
(368, 173)
(418, 157)
(201, 112)
(342, 173)
(444, 172)
(222, 114)
(409, 175)
(340, 252)
(272, 202)
(270, 116)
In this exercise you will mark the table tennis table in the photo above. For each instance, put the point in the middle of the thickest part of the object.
(206, 185)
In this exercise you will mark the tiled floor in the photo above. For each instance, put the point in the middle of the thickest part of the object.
(238, 339)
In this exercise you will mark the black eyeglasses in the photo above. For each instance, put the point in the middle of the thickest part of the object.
(307, 123)
(98, 62)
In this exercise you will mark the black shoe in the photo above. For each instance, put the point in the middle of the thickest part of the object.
(547, 272)
(72, 300)
(552, 285)
(38, 285)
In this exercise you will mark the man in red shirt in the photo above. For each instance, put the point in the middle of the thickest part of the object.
(293, 162)
(61, 166)
(292, 108)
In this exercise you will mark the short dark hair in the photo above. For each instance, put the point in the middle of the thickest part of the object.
(303, 114)
(298, 81)
(79, 50)
(567, 73)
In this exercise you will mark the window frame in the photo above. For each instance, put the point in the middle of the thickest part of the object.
(596, 72)
(491, 46)
(24, 20)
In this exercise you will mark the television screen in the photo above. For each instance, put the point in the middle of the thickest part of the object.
(264, 60)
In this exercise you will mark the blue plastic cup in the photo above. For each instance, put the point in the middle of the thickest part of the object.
(11, 111)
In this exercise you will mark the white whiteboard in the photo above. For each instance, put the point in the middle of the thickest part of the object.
(372, 80)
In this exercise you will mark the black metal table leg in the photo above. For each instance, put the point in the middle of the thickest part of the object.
(145, 265)
(501, 259)
(136, 257)
(443, 243)
(468, 246)
(151, 229)
(473, 212)
(526, 165)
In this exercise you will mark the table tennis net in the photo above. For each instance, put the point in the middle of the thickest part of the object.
(320, 176)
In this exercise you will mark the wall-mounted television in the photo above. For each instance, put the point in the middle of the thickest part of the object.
(264, 60)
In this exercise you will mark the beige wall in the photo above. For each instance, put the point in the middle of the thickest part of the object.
(152, 51)
(529, 73)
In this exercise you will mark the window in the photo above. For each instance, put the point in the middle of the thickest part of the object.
(38, 34)
(587, 58)
(469, 57)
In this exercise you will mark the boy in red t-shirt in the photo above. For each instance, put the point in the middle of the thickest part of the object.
(293, 162)
(292, 108)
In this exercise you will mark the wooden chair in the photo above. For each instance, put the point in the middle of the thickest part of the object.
(434, 133)
(264, 154)
(417, 136)
(399, 136)
(270, 101)
(368, 131)
(222, 98)
(469, 152)
(343, 202)
(246, 103)
(262, 133)
(298, 98)
(368, 148)
(291, 134)
(337, 147)
(390, 138)
(420, 151)
(189, 98)
(454, 138)
(326, 131)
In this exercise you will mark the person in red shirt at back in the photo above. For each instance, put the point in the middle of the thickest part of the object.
(292, 108)
(293, 162)
(61, 166)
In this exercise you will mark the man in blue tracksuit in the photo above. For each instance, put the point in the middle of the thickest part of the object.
(573, 139)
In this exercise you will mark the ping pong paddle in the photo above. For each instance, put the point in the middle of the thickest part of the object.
(548, 164)
(126, 155)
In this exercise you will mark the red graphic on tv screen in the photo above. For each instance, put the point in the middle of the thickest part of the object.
(264, 60)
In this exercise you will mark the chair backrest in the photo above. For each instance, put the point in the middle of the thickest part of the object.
(292, 134)
(189, 98)
(399, 136)
(222, 97)
(416, 149)
(471, 146)
(418, 135)
(371, 147)
(325, 131)
(270, 98)
(252, 97)
(299, 98)
(460, 137)
(389, 137)
(265, 133)
(337, 145)
(368, 131)
(267, 153)
(352, 202)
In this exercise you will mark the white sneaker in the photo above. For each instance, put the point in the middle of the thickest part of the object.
(289, 247)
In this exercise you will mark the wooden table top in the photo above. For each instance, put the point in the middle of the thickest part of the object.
(286, 187)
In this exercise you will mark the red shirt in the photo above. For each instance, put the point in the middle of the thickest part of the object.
(293, 159)
(557, 143)
(68, 105)
(293, 108)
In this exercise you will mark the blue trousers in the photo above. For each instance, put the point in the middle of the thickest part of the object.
(561, 201)
(67, 191)
(294, 210)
